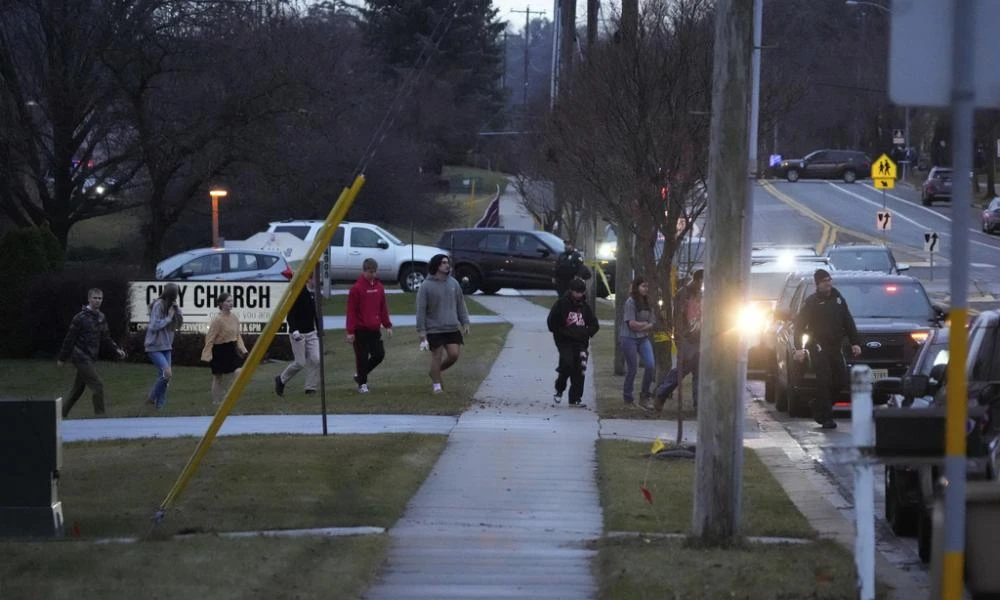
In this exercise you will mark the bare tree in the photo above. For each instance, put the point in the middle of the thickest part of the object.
(631, 122)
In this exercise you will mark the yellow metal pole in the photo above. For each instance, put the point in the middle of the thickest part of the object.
(304, 272)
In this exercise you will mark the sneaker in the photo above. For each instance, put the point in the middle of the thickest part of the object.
(279, 386)
(436, 388)
(557, 398)
(644, 402)
(309, 392)
(363, 388)
(578, 404)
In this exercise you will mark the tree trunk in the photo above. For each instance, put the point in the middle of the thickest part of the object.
(719, 460)
(623, 279)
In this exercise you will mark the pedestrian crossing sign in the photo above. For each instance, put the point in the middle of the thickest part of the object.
(884, 168)
(884, 183)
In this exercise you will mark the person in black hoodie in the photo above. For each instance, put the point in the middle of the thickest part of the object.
(572, 324)
(305, 342)
(825, 318)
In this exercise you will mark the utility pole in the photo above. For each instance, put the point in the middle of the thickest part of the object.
(527, 38)
(719, 460)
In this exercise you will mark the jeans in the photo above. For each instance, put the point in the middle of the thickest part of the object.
(369, 351)
(161, 360)
(306, 354)
(86, 376)
(636, 349)
(687, 362)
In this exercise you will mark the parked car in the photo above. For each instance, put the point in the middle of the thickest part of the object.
(488, 259)
(910, 489)
(865, 257)
(688, 256)
(937, 186)
(353, 242)
(225, 264)
(848, 165)
(991, 216)
(894, 317)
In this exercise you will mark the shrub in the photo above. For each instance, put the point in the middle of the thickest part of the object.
(27, 254)
(55, 298)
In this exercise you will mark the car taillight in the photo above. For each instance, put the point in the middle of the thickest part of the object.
(919, 336)
(288, 273)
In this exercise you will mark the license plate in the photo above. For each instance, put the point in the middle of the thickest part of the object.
(879, 374)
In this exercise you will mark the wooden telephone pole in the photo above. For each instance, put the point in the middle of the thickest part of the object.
(719, 458)
(527, 38)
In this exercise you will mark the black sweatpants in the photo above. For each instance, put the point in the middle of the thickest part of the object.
(831, 376)
(572, 367)
(86, 376)
(368, 352)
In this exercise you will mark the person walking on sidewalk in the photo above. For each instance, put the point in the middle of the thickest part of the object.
(687, 332)
(82, 345)
(827, 320)
(572, 324)
(224, 349)
(441, 317)
(305, 342)
(638, 321)
(367, 314)
(165, 318)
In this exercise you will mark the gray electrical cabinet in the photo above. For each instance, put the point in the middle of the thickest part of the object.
(30, 460)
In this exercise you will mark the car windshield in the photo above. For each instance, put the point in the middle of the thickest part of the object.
(388, 236)
(861, 260)
(880, 300)
(551, 240)
(767, 286)
(935, 354)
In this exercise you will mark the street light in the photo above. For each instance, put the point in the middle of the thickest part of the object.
(906, 109)
(216, 194)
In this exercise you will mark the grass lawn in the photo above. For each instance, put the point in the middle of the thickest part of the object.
(400, 385)
(246, 483)
(399, 304)
(651, 567)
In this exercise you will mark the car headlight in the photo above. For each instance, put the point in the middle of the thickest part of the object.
(606, 250)
(753, 319)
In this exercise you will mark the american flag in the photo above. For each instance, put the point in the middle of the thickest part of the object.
(491, 218)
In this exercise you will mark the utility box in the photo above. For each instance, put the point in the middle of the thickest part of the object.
(30, 460)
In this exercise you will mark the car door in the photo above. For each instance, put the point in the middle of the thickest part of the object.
(205, 267)
(493, 252)
(339, 267)
(368, 243)
(821, 165)
(531, 262)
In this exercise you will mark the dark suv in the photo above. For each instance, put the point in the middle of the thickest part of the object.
(893, 315)
(488, 259)
(848, 165)
(865, 257)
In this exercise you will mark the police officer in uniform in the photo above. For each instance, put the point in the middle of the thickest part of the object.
(826, 319)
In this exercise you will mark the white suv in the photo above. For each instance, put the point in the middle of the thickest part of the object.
(352, 243)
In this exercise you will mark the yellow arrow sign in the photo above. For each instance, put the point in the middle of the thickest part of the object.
(884, 183)
(883, 168)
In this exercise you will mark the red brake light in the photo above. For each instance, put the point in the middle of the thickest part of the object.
(891, 289)
(288, 273)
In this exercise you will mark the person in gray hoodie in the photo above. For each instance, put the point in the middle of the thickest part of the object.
(441, 317)
(165, 318)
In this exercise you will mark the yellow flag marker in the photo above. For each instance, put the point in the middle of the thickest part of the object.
(657, 445)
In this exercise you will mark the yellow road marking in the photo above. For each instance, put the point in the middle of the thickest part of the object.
(828, 237)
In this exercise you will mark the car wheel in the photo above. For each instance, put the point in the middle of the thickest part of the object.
(925, 527)
(792, 175)
(769, 391)
(850, 176)
(902, 519)
(490, 289)
(411, 277)
(780, 395)
(468, 278)
(797, 405)
(986, 229)
(927, 200)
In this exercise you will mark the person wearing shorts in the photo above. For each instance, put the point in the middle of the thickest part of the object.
(442, 317)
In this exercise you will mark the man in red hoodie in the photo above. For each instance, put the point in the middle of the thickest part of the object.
(367, 313)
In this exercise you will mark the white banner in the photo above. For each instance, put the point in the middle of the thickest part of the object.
(253, 302)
